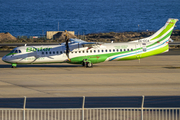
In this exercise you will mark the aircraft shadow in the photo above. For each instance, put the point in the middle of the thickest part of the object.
(172, 67)
(43, 65)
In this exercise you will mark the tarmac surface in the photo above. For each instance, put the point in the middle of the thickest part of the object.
(153, 76)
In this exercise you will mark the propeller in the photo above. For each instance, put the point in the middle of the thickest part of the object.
(67, 46)
(36, 56)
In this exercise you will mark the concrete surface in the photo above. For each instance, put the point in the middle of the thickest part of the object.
(154, 76)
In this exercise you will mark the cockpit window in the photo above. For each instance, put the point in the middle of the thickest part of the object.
(15, 51)
(12, 51)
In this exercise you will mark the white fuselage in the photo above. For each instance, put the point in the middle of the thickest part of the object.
(57, 53)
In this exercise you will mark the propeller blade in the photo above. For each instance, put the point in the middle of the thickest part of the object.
(35, 59)
(50, 57)
(67, 46)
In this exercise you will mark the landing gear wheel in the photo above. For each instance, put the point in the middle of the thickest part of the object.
(13, 66)
(89, 64)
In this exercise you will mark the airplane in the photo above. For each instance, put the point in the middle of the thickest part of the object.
(77, 51)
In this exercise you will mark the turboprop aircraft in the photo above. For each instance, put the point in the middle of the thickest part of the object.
(77, 51)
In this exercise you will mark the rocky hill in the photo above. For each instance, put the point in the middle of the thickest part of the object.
(125, 36)
(6, 37)
(62, 35)
(94, 37)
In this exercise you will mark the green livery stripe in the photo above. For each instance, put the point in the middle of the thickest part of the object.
(168, 27)
(96, 58)
(92, 58)
(11, 54)
(147, 54)
(101, 58)
(165, 37)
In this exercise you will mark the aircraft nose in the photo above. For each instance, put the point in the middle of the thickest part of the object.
(4, 58)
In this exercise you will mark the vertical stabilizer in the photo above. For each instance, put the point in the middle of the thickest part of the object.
(165, 32)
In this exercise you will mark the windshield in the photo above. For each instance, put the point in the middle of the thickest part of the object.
(15, 51)
(12, 51)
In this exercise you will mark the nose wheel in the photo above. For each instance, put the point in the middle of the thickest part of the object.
(14, 66)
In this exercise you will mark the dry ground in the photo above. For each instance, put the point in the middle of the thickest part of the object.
(156, 75)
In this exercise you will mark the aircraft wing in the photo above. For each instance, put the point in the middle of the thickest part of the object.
(78, 43)
(74, 40)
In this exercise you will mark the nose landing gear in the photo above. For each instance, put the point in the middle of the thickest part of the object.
(13, 65)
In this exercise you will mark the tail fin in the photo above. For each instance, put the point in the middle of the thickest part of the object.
(165, 32)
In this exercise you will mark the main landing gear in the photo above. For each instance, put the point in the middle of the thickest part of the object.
(87, 63)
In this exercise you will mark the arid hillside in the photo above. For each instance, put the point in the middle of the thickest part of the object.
(6, 37)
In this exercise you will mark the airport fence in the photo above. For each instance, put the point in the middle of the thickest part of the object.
(120, 113)
(92, 114)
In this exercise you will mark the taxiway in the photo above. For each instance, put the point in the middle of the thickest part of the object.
(153, 76)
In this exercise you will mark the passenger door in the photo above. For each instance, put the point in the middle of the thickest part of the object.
(144, 49)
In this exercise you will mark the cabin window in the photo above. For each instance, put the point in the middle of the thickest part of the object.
(60, 52)
(109, 50)
(83, 51)
(98, 50)
(46, 52)
(72, 52)
(102, 50)
(113, 50)
(90, 51)
(75, 51)
(16, 51)
(131, 49)
(127, 49)
(106, 50)
(121, 50)
(42, 53)
(19, 51)
(79, 51)
(94, 51)
(53, 52)
(57, 52)
(87, 51)
(117, 50)
(49, 52)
